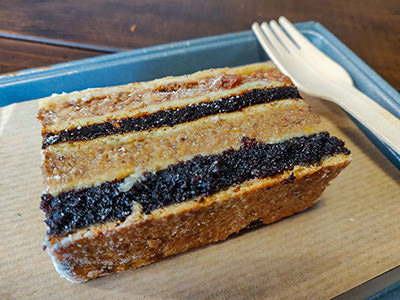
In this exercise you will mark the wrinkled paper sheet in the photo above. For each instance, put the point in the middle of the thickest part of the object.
(350, 236)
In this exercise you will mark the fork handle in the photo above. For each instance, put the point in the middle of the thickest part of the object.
(373, 116)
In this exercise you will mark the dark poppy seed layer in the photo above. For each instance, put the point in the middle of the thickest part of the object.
(171, 117)
(200, 176)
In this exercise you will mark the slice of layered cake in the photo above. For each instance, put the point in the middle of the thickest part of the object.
(146, 170)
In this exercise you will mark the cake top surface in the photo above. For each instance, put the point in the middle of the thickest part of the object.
(101, 104)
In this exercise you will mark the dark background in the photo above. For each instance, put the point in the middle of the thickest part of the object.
(370, 28)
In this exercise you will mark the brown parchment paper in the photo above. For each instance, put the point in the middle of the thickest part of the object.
(350, 236)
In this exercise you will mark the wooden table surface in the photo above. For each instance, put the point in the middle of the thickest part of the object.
(370, 28)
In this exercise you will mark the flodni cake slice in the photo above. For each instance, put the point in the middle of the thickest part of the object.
(142, 171)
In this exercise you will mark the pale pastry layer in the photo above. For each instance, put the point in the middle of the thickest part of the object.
(133, 100)
(81, 164)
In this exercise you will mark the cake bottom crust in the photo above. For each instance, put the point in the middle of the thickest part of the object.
(155, 237)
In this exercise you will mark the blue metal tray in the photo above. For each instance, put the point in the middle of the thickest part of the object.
(188, 56)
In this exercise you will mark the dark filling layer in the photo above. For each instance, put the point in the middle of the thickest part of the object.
(171, 117)
(200, 176)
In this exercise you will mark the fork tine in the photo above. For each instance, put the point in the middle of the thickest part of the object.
(272, 38)
(287, 43)
(300, 40)
(267, 46)
(313, 53)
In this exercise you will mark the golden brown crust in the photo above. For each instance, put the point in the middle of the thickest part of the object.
(194, 224)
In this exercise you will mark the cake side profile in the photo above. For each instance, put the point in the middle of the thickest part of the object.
(146, 170)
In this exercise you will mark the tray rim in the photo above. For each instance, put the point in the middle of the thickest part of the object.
(97, 62)
(366, 79)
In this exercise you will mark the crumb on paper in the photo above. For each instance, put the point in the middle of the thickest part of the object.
(133, 27)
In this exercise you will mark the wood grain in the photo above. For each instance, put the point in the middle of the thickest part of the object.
(370, 28)
(18, 55)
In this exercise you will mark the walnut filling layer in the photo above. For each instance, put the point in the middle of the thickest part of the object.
(96, 103)
(171, 117)
(80, 164)
(200, 176)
